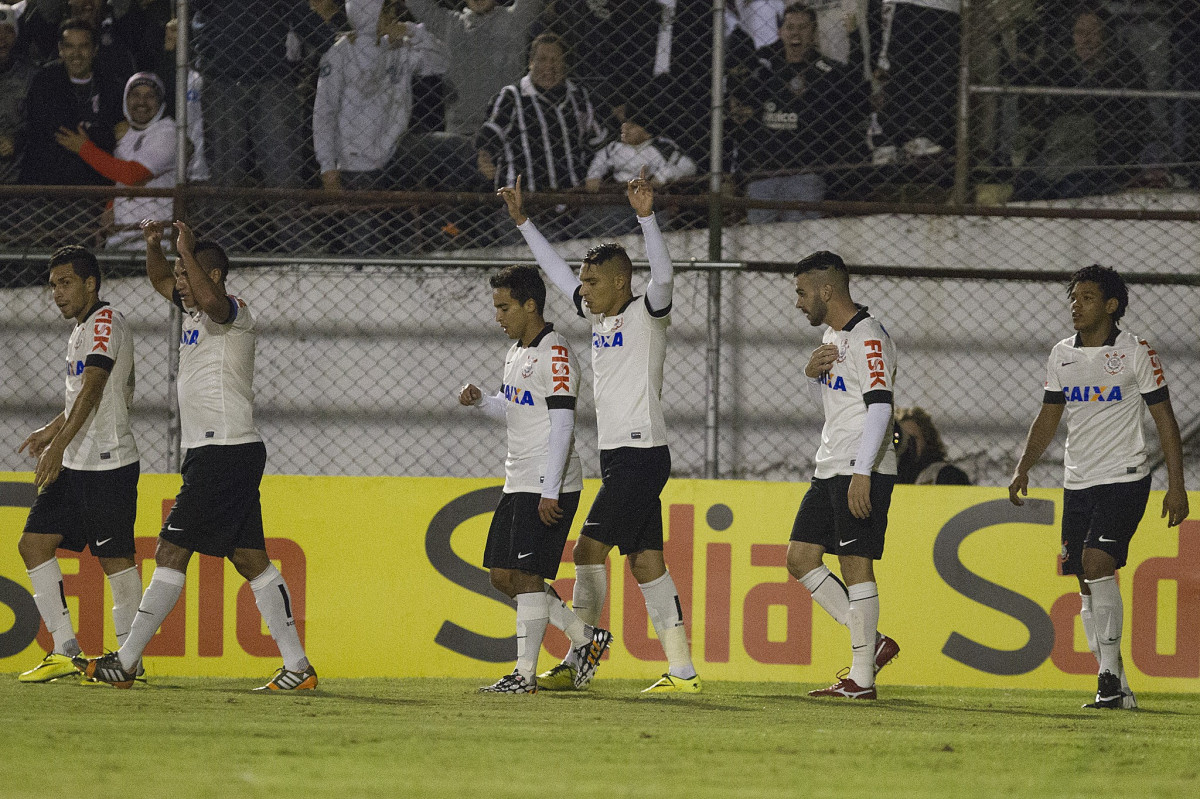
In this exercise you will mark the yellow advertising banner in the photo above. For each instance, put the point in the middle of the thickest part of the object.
(385, 580)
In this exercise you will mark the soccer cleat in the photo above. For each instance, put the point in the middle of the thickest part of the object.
(285, 680)
(52, 667)
(559, 678)
(512, 683)
(91, 682)
(846, 688)
(886, 650)
(589, 657)
(105, 669)
(1109, 695)
(671, 684)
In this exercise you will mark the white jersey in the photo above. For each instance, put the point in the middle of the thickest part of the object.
(537, 378)
(1104, 389)
(216, 378)
(865, 373)
(628, 351)
(153, 148)
(105, 442)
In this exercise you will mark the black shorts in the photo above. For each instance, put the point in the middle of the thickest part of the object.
(218, 509)
(1103, 517)
(627, 512)
(92, 509)
(517, 538)
(825, 519)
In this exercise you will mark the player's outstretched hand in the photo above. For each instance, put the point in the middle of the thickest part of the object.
(512, 198)
(49, 466)
(1175, 506)
(641, 194)
(549, 511)
(152, 232)
(821, 360)
(1020, 485)
(469, 395)
(187, 239)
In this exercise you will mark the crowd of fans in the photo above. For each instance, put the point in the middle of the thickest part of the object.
(823, 96)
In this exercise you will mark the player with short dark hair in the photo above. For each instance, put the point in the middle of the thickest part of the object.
(629, 343)
(1097, 377)
(845, 510)
(218, 510)
(88, 465)
(542, 478)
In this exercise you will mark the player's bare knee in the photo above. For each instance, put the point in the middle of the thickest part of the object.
(116, 565)
(171, 556)
(250, 563)
(800, 561)
(589, 552)
(502, 581)
(35, 549)
(647, 566)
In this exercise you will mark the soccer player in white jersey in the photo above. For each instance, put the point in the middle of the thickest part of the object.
(217, 511)
(629, 343)
(542, 478)
(1101, 377)
(844, 512)
(87, 469)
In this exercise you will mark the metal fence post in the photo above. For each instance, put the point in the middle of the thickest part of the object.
(962, 145)
(712, 355)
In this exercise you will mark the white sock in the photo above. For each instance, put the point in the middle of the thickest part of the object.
(275, 606)
(158, 600)
(51, 602)
(126, 588)
(1108, 612)
(1089, 624)
(864, 624)
(666, 614)
(566, 619)
(829, 593)
(533, 614)
(591, 588)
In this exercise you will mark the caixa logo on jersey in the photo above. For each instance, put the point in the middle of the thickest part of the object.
(832, 381)
(189, 337)
(1092, 393)
(604, 340)
(517, 396)
(74, 368)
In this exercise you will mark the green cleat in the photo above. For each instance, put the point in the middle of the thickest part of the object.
(52, 667)
(559, 678)
(680, 685)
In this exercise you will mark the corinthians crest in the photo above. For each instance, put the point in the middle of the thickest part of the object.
(527, 369)
(1114, 363)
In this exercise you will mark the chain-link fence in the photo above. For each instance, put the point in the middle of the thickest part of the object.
(348, 152)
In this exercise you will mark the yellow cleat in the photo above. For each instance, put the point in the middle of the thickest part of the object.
(671, 684)
(52, 667)
(285, 680)
(559, 678)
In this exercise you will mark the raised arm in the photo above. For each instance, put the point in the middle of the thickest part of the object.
(558, 270)
(157, 268)
(205, 292)
(662, 274)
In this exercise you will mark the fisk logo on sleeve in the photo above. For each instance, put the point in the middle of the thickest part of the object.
(1155, 363)
(560, 370)
(875, 365)
(102, 330)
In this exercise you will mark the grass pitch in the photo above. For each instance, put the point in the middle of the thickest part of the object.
(438, 738)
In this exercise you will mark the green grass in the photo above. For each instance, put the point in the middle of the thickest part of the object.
(353, 738)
